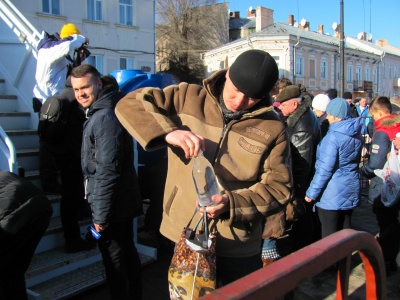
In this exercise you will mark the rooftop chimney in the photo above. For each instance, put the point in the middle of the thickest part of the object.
(337, 29)
(234, 15)
(264, 17)
(291, 20)
(251, 13)
(305, 25)
(362, 36)
(321, 29)
(382, 42)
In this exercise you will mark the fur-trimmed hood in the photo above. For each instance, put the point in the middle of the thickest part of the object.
(391, 120)
(389, 124)
(305, 105)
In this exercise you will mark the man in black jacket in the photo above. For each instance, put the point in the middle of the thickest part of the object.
(353, 109)
(111, 184)
(64, 144)
(24, 217)
(304, 134)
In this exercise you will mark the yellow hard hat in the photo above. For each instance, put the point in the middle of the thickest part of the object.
(68, 29)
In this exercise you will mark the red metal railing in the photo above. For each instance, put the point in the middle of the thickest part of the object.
(284, 275)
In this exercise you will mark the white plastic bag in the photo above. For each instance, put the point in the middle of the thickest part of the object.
(390, 191)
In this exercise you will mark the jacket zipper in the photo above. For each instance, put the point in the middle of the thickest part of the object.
(219, 144)
(86, 181)
(86, 188)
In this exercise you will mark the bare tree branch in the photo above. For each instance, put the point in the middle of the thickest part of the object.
(185, 28)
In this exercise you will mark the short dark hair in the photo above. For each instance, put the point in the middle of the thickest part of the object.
(347, 95)
(283, 82)
(332, 93)
(82, 70)
(110, 81)
(381, 103)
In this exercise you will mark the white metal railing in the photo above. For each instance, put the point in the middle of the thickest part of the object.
(18, 39)
(8, 156)
(25, 31)
(29, 36)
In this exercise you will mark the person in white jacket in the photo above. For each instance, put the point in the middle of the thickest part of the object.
(55, 56)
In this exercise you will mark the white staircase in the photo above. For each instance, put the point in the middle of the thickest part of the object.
(53, 274)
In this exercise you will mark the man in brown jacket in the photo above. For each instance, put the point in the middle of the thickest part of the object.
(231, 118)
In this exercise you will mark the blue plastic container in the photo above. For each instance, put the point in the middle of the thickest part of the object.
(130, 80)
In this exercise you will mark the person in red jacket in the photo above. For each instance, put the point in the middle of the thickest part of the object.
(387, 126)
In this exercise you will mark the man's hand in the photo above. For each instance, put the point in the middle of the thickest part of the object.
(308, 199)
(216, 210)
(190, 142)
(99, 228)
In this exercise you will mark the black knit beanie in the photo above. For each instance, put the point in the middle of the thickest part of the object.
(254, 73)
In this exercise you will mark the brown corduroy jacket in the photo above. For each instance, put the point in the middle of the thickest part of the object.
(252, 160)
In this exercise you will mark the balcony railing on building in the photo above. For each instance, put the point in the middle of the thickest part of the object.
(363, 86)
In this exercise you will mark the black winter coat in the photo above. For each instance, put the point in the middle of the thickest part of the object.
(21, 203)
(304, 135)
(111, 184)
(72, 142)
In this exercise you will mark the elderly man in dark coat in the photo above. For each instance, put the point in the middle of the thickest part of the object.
(304, 134)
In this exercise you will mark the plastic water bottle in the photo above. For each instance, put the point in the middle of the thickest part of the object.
(204, 180)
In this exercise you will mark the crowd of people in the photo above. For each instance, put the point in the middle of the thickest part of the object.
(273, 145)
(329, 144)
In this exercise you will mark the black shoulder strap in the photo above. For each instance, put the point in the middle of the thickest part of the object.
(70, 66)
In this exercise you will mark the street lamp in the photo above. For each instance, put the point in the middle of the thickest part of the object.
(341, 47)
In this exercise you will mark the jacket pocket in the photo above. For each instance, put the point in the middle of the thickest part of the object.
(374, 192)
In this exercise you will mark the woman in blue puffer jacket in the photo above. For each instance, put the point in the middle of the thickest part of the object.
(335, 186)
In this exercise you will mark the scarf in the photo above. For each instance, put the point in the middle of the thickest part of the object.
(230, 115)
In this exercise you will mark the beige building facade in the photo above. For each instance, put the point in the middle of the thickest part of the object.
(312, 58)
(121, 32)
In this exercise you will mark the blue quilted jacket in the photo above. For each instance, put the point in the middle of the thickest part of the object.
(336, 185)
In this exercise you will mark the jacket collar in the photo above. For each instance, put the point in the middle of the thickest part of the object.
(105, 100)
(299, 112)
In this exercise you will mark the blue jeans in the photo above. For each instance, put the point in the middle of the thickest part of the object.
(269, 244)
(121, 261)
